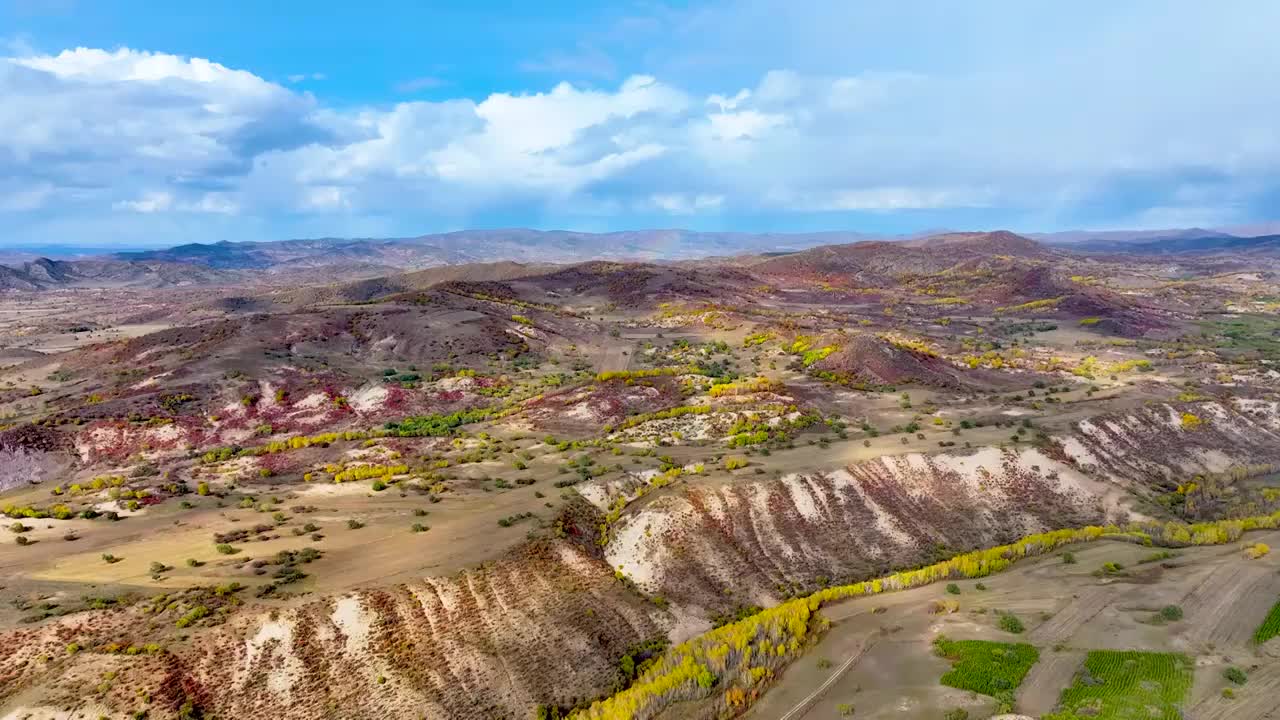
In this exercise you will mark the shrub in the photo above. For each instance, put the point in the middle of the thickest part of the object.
(192, 616)
(953, 588)
(1010, 623)
(1069, 558)
(1172, 613)
(1235, 675)
(735, 462)
(1257, 550)
(354, 524)
(226, 549)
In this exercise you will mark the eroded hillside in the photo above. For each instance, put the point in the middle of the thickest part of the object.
(484, 493)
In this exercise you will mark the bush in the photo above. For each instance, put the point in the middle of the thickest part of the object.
(1010, 623)
(1069, 558)
(1171, 613)
(192, 616)
(354, 524)
(1111, 568)
(953, 588)
(226, 549)
(1235, 675)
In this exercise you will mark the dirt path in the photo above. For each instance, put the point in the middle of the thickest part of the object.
(1081, 610)
(1043, 685)
(1258, 699)
(1228, 606)
(613, 356)
(802, 707)
(794, 700)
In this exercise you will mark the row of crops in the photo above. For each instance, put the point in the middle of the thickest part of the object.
(1112, 685)
(1270, 626)
(990, 668)
(1123, 684)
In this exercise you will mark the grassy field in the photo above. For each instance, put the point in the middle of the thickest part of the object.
(990, 668)
(1124, 685)
(1270, 627)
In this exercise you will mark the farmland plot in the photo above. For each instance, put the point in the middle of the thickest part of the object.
(983, 666)
(1127, 685)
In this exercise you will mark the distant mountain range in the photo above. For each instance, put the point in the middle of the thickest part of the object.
(518, 245)
(329, 259)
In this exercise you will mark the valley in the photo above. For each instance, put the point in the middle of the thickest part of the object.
(732, 487)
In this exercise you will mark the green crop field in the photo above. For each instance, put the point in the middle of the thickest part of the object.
(1270, 627)
(1127, 685)
(990, 668)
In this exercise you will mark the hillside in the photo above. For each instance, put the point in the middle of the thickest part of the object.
(517, 489)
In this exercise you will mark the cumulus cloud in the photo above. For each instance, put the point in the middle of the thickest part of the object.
(1104, 120)
(106, 128)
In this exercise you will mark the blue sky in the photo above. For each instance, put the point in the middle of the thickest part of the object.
(129, 123)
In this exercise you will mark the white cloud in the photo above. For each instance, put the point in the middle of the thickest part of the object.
(882, 199)
(680, 204)
(755, 106)
(326, 198)
(145, 132)
(728, 103)
(151, 202)
(159, 201)
(745, 124)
